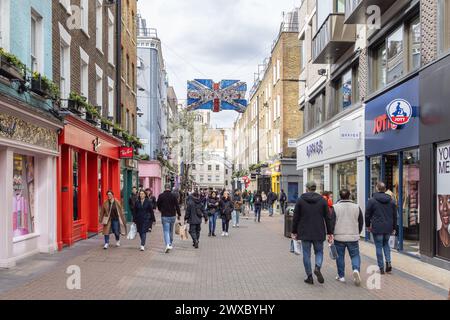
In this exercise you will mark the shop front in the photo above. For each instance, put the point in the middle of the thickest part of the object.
(129, 178)
(435, 165)
(393, 156)
(284, 176)
(28, 157)
(150, 173)
(333, 157)
(88, 167)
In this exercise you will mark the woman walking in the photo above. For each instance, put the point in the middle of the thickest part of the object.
(213, 213)
(264, 200)
(195, 212)
(113, 220)
(226, 210)
(251, 199)
(257, 202)
(143, 217)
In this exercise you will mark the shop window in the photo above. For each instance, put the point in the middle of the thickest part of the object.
(415, 45)
(395, 55)
(318, 176)
(345, 177)
(380, 67)
(347, 90)
(375, 174)
(76, 185)
(23, 196)
(443, 26)
(442, 201)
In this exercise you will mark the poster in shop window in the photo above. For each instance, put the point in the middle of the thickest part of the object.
(443, 200)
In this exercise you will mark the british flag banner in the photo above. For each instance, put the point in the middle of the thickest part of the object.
(209, 95)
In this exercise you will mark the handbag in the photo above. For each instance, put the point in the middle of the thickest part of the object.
(133, 231)
(184, 232)
(333, 251)
(105, 219)
(177, 228)
(295, 247)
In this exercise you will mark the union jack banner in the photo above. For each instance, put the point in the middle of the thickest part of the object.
(225, 95)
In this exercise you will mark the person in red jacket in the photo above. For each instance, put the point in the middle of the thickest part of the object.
(328, 196)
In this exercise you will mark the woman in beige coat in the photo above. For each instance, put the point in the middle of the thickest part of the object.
(113, 220)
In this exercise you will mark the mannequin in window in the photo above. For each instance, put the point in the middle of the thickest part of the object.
(444, 211)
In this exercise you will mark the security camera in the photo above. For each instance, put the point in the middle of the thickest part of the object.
(322, 72)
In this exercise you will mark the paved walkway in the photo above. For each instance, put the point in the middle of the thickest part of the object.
(254, 263)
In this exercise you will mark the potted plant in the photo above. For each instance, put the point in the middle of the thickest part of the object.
(43, 86)
(117, 131)
(93, 114)
(10, 66)
(77, 104)
(106, 125)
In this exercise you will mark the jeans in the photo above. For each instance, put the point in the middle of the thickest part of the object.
(168, 223)
(236, 214)
(143, 238)
(283, 207)
(318, 252)
(382, 244)
(258, 213)
(353, 250)
(225, 225)
(270, 210)
(213, 222)
(194, 231)
(115, 228)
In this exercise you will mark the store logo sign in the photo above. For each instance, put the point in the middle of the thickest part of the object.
(96, 143)
(126, 153)
(399, 112)
(314, 148)
(9, 131)
(383, 124)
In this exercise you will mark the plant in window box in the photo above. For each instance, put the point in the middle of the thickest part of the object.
(43, 86)
(92, 114)
(10, 66)
(117, 131)
(137, 144)
(77, 104)
(106, 125)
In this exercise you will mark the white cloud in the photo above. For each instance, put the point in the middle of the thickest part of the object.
(214, 39)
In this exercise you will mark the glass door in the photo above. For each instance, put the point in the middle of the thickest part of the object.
(76, 185)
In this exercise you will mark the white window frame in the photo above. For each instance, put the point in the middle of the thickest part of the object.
(274, 74)
(84, 74)
(38, 55)
(110, 97)
(99, 25)
(65, 42)
(99, 86)
(84, 15)
(66, 5)
(278, 70)
(278, 106)
(110, 37)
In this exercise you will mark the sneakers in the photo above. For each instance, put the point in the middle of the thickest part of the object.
(214, 235)
(388, 267)
(309, 280)
(167, 249)
(118, 244)
(209, 234)
(226, 234)
(106, 246)
(340, 279)
(319, 275)
(223, 234)
(382, 271)
(356, 278)
(170, 247)
(196, 245)
(237, 226)
(142, 248)
(234, 226)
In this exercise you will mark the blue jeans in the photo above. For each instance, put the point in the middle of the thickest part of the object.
(168, 223)
(353, 250)
(115, 228)
(236, 214)
(258, 214)
(318, 252)
(213, 222)
(270, 210)
(382, 244)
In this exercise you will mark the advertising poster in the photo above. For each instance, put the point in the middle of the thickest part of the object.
(443, 200)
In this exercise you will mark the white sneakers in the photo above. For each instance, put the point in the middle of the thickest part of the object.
(170, 247)
(223, 234)
(340, 279)
(357, 278)
(118, 244)
(167, 249)
(226, 234)
(106, 246)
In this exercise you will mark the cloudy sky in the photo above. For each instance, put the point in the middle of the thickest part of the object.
(214, 39)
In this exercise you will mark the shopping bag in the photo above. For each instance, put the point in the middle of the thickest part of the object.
(177, 228)
(295, 247)
(393, 242)
(184, 232)
(333, 251)
(133, 231)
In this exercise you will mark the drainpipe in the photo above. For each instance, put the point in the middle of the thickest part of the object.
(119, 62)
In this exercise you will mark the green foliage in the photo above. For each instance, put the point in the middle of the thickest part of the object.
(53, 89)
(12, 59)
(240, 174)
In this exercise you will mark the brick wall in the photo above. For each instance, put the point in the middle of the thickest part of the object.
(428, 13)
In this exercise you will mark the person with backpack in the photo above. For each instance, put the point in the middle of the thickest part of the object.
(271, 199)
(195, 212)
(238, 203)
(283, 201)
(258, 206)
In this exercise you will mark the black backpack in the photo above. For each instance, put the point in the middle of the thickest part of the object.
(199, 211)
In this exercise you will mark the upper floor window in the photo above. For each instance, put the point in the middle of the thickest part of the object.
(36, 43)
(347, 89)
(84, 12)
(99, 25)
(327, 7)
(443, 26)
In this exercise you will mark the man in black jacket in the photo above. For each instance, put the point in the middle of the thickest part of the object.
(132, 200)
(381, 221)
(310, 218)
(168, 206)
(283, 201)
(195, 212)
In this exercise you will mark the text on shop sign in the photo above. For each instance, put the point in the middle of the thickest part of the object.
(444, 160)
(314, 148)
(382, 124)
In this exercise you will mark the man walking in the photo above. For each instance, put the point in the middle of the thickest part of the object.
(132, 200)
(283, 201)
(194, 213)
(271, 198)
(381, 221)
(310, 218)
(168, 206)
(347, 229)
(238, 203)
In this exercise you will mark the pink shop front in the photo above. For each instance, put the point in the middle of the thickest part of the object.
(150, 173)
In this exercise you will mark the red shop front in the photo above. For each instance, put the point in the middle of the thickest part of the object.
(88, 167)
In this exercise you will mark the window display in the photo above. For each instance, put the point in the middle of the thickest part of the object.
(345, 177)
(375, 173)
(23, 196)
(443, 200)
(318, 176)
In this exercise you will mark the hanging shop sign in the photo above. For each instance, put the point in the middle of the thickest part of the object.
(126, 153)
(399, 112)
(443, 200)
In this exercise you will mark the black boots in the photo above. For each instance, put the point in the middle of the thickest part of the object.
(319, 275)
(209, 234)
(388, 267)
(309, 280)
(382, 271)
(196, 245)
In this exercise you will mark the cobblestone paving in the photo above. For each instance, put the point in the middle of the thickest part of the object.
(254, 263)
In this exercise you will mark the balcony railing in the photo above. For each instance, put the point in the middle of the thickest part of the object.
(147, 32)
(356, 10)
(333, 39)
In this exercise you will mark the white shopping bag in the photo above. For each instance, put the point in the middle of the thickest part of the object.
(133, 232)
(295, 247)
(393, 242)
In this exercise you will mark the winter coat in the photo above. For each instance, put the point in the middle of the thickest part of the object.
(283, 197)
(271, 198)
(312, 221)
(143, 216)
(381, 214)
(168, 204)
(122, 220)
(195, 211)
(226, 208)
(237, 199)
(257, 202)
(213, 205)
(132, 201)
